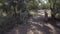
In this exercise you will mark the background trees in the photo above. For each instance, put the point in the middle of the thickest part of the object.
(54, 5)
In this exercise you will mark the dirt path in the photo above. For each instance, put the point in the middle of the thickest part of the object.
(36, 25)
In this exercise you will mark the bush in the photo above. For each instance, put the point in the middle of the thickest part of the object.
(57, 16)
(7, 24)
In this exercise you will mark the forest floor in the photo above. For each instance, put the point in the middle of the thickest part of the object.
(36, 25)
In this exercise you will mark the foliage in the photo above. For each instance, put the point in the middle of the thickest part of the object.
(57, 16)
(32, 5)
(55, 7)
(46, 5)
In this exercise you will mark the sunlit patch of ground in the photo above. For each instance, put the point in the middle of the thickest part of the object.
(52, 29)
(34, 32)
(17, 31)
(32, 12)
(30, 32)
(4, 14)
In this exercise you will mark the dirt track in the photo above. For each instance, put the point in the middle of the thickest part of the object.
(36, 25)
